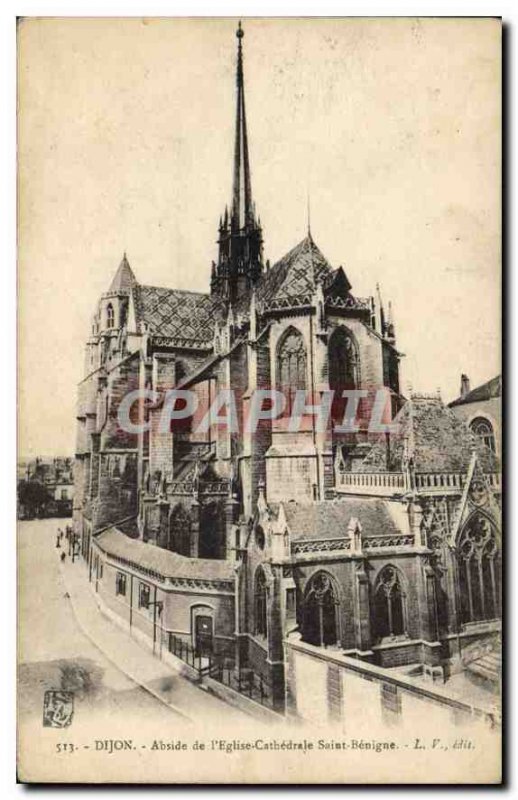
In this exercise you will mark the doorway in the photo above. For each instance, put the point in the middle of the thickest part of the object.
(203, 635)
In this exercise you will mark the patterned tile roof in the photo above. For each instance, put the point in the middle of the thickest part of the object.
(329, 519)
(486, 391)
(292, 279)
(437, 439)
(176, 313)
(163, 562)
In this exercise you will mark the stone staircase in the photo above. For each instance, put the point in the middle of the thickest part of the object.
(487, 668)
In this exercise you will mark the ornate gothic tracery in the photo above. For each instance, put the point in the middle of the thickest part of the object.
(291, 365)
(344, 368)
(478, 559)
(343, 360)
(320, 612)
(389, 617)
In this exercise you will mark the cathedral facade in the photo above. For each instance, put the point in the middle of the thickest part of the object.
(235, 540)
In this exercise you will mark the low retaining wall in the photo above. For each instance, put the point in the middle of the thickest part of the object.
(325, 686)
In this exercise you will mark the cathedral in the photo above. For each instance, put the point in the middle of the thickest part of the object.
(243, 547)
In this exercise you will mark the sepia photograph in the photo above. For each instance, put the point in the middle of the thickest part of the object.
(259, 470)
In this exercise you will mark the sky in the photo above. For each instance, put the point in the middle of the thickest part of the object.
(391, 126)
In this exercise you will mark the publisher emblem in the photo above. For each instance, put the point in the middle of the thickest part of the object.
(58, 709)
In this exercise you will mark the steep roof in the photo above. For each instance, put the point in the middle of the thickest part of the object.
(163, 562)
(124, 279)
(295, 274)
(176, 313)
(432, 434)
(293, 277)
(329, 519)
(486, 391)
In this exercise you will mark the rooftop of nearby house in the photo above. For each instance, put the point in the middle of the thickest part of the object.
(486, 391)
(432, 436)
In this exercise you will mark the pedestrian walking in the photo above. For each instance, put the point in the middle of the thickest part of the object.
(63, 556)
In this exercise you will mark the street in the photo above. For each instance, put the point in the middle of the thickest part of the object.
(65, 643)
(54, 653)
(119, 689)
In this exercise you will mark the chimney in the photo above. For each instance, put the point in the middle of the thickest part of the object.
(464, 385)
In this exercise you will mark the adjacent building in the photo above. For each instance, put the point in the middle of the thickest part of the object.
(54, 477)
(481, 409)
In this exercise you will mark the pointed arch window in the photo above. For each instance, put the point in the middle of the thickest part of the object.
(291, 366)
(320, 623)
(260, 603)
(478, 559)
(344, 368)
(212, 540)
(110, 316)
(389, 612)
(343, 360)
(483, 430)
(180, 530)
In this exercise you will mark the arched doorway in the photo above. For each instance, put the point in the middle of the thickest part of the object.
(320, 612)
(202, 628)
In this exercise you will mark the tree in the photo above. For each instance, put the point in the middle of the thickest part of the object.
(32, 498)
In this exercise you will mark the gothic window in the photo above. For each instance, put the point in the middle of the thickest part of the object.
(212, 531)
(320, 612)
(343, 360)
(343, 368)
(478, 559)
(260, 606)
(389, 612)
(291, 603)
(180, 531)
(110, 316)
(291, 366)
(483, 430)
(260, 538)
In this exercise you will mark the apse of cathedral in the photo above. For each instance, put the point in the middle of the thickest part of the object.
(257, 544)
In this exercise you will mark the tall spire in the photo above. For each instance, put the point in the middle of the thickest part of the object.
(242, 211)
(240, 259)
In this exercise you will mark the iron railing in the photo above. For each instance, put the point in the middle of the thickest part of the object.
(221, 667)
(245, 681)
(187, 653)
